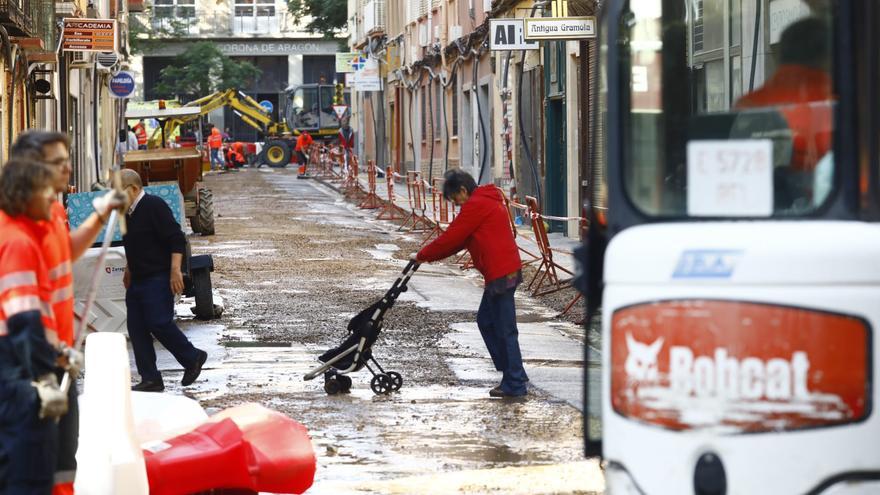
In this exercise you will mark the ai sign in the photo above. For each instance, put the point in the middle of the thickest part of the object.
(507, 34)
(122, 84)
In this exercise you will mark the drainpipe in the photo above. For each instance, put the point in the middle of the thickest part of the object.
(96, 139)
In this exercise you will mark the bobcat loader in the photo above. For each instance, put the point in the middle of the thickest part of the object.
(732, 265)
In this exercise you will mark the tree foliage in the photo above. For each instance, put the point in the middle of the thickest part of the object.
(203, 69)
(327, 17)
(146, 30)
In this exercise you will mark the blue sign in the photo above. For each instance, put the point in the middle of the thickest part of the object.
(707, 263)
(267, 105)
(122, 84)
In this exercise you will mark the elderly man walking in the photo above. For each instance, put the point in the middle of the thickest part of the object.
(154, 249)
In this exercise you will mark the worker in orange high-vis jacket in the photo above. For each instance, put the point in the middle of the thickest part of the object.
(215, 143)
(302, 149)
(30, 398)
(60, 248)
(140, 132)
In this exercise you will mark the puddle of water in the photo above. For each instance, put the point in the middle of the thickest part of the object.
(253, 343)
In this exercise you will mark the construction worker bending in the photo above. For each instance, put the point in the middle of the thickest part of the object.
(60, 248)
(303, 142)
(30, 399)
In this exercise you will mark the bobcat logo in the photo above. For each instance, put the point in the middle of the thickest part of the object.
(641, 363)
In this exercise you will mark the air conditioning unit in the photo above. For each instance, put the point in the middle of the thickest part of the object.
(423, 35)
(455, 32)
(107, 60)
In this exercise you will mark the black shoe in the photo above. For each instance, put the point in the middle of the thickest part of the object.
(498, 393)
(147, 386)
(190, 374)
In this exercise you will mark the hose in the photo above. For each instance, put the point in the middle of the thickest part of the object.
(755, 44)
(483, 139)
(445, 127)
(522, 130)
(430, 87)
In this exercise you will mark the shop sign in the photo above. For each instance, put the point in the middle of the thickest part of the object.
(560, 28)
(89, 35)
(507, 34)
(122, 84)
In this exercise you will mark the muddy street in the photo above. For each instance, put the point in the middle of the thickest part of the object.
(294, 262)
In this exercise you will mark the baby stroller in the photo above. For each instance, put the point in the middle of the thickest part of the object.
(356, 351)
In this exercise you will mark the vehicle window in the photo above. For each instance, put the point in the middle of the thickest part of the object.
(730, 112)
(304, 108)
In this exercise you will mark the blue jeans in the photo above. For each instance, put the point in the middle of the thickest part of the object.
(150, 306)
(216, 157)
(496, 320)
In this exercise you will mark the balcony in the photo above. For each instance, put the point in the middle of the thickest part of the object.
(17, 18)
(175, 27)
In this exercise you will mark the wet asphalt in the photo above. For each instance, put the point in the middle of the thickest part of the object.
(294, 261)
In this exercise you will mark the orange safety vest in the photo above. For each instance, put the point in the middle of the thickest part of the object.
(141, 133)
(24, 278)
(56, 249)
(215, 140)
(303, 142)
(803, 96)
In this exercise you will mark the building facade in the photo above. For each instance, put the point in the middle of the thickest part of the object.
(45, 87)
(261, 32)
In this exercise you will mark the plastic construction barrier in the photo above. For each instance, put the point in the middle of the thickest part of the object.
(390, 210)
(546, 279)
(351, 186)
(442, 210)
(372, 201)
(247, 447)
(510, 205)
(416, 220)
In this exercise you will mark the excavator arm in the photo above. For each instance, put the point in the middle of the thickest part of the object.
(251, 112)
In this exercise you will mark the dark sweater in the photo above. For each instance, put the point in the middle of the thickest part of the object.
(153, 234)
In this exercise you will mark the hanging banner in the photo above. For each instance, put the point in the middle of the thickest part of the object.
(89, 35)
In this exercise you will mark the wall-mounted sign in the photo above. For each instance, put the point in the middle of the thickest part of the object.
(507, 34)
(560, 28)
(122, 84)
(89, 35)
(344, 61)
(368, 78)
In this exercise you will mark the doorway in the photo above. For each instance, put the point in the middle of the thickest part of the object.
(555, 177)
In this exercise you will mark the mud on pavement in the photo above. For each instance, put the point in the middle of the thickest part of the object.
(293, 263)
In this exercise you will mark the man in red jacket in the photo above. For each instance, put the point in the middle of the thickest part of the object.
(483, 227)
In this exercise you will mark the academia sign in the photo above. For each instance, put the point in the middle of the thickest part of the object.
(560, 28)
(89, 35)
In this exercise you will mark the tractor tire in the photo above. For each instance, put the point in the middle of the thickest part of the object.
(204, 308)
(276, 154)
(204, 218)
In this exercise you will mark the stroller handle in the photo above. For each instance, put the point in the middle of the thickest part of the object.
(412, 265)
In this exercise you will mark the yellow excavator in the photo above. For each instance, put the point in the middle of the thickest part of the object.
(308, 108)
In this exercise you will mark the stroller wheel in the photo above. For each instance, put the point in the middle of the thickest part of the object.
(381, 384)
(332, 385)
(396, 380)
(344, 382)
